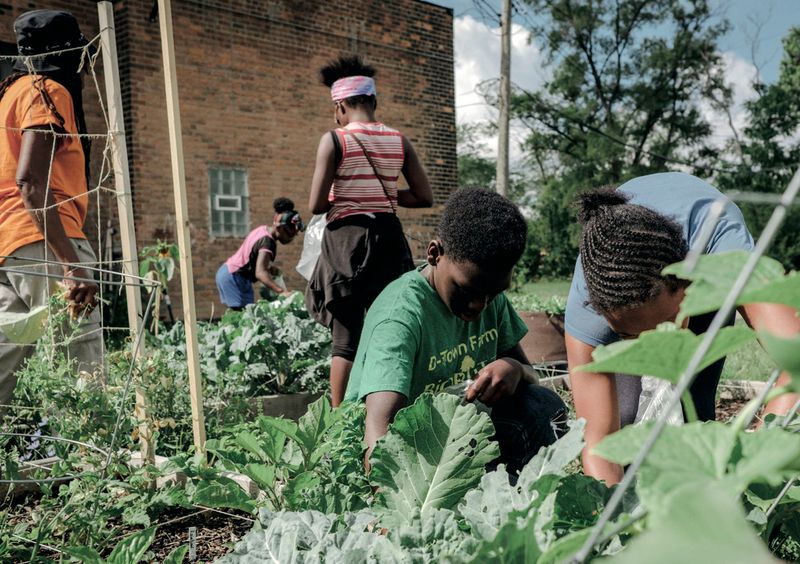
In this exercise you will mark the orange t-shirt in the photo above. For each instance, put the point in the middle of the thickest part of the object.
(21, 107)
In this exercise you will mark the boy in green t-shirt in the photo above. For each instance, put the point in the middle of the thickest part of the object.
(450, 322)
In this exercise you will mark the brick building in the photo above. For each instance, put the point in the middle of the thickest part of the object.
(253, 109)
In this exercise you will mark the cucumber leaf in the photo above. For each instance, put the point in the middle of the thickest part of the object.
(714, 275)
(785, 352)
(664, 352)
(703, 521)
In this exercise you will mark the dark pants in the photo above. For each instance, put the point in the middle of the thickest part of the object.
(347, 322)
(703, 390)
(532, 418)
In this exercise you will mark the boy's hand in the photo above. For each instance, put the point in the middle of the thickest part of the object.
(495, 381)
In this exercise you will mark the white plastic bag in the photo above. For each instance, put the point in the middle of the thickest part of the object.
(653, 401)
(312, 246)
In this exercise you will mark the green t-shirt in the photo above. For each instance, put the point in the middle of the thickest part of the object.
(411, 342)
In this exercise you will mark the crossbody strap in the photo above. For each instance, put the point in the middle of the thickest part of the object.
(374, 168)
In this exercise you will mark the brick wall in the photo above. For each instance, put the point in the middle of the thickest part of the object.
(250, 97)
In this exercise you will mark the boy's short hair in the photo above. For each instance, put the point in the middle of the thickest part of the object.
(482, 227)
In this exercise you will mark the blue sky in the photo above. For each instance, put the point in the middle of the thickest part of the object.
(777, 16)
(477, 56)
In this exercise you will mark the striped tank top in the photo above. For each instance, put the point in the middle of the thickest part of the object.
(356, 189)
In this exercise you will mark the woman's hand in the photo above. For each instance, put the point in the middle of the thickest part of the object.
(495, 381)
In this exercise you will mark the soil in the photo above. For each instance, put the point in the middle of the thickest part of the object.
(216, 533)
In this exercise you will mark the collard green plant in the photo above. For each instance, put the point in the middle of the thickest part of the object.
(434, 455)
(269, 347)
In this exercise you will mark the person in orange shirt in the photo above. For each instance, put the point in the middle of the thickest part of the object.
(43, 187)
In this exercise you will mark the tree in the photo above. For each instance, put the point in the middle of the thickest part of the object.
(474, 168)
(771, 151)
(623, 100)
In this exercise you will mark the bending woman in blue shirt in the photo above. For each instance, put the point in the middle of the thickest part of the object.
(629, 235)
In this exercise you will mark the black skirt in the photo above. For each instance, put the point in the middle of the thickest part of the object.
(361, 254)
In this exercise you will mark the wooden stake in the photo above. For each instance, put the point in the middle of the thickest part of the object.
(182, 222)
(122, 185)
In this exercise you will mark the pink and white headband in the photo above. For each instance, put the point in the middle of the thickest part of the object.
(350, 86)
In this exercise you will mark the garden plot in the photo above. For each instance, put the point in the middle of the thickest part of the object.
(428, 497)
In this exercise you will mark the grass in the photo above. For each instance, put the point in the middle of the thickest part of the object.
(544, 288)
(748, 363)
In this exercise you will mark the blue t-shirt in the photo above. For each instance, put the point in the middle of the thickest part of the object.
(687, 200)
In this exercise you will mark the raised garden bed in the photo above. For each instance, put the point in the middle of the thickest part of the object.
(290, 406)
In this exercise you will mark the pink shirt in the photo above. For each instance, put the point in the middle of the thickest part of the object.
(243, 261)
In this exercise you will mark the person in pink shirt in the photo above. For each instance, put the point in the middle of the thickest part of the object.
(251, 262)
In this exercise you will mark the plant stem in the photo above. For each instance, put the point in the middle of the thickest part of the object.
(746, 415)
(688, 407)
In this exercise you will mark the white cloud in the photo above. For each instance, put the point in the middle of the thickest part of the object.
(477, 58)
(739, 74)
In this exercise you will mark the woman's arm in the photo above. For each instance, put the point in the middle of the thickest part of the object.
(419, 193)
(595, 397)
(33, 170)
(324, 170)
(263, 275)
(781, 321)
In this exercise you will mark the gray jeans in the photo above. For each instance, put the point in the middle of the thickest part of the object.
(20, 293)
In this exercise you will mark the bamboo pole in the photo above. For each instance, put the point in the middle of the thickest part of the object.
(122, 185)
(182, 222)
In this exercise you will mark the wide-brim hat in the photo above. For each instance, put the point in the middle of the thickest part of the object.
(46, 31)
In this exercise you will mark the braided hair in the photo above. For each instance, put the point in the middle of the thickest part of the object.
(623, 249)
(71, 81)
(344, 66)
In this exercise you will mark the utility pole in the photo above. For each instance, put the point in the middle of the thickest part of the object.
(505, 98)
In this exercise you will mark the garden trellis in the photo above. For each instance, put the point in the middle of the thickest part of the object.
(109, 273)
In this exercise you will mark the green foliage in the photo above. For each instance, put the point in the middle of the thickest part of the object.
(714, 276)
(435, 454)
(664, 352)
(554, 305)
(269, 347)
(688, 527)
(769, 151)
(704, 454)
(627, 80)
(314, 463)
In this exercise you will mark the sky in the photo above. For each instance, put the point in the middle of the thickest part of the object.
(759, 23)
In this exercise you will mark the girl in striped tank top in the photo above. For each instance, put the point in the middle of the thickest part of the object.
(355, 184)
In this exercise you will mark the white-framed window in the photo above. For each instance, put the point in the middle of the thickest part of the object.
(228, 195)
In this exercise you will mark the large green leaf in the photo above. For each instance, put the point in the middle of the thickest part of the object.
(84, 554)
(434, 453)
(132, 549)
(490, 506)
(311, 428)
(24, 328)
(664, 352)
(514, 543)
(701, 523)
(176, 556)
(282, 538)
(703, 453)
(434, 536)
(223, 493)
(785, 352)
(715, 274)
